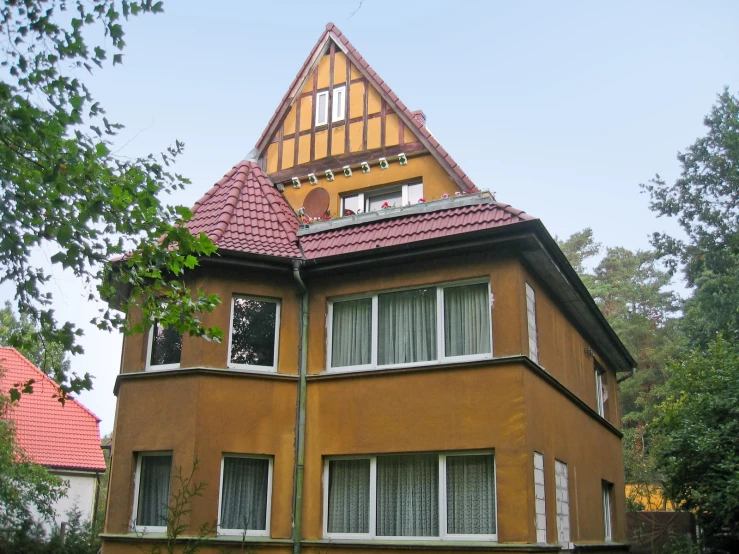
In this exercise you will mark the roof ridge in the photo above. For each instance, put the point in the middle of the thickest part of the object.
(45, 377)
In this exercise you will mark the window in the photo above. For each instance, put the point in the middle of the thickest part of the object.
(415, 326)
(608, 510)
(339, 104)
(165, 348)
(563, 503)
(322, 108)
(245, 499)
(531, 320)
(151, 495)
(601, 390)
(540, 517)
(448, 496)
(394, 197)
(255, 324)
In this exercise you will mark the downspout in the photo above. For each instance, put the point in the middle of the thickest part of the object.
(627, 376)
(300, 423)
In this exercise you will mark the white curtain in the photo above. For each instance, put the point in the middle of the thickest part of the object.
(407, 326)
(467, 320)
(348, 496)
(244, 495)
(408, 496)
(351, 338)
(156, 472)
(470, 493)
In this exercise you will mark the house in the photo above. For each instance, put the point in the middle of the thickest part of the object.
(64, 438)
(409, 365)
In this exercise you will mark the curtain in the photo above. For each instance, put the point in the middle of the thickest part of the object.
(156, 472)
(408, 496)
(407, 326)
(467, 320)
(470, 493)
(348, 496)
(244, 495)
(351, 339)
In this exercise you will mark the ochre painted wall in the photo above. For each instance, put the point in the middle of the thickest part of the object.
(425, 168)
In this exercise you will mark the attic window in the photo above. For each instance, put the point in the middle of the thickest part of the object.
(338, 106)
(322, 108)
(389, 197)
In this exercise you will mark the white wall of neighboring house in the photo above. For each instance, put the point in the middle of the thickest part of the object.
(81, 492)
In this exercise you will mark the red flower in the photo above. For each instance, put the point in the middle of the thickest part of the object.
(385, 205)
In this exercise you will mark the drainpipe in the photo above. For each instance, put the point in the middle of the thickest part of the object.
(627, 376)
(300, 423)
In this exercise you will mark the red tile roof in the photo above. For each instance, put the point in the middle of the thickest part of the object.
(244, 212)
(51, 434)
(409, 229)
(332, 32)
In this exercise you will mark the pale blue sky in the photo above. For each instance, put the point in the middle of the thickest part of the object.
(562, 108)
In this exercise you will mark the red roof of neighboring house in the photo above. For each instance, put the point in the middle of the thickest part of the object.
(51, 434)
(332, 32)
(410, 228)
(244, 212)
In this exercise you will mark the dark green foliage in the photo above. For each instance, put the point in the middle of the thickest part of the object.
(64, 188)
(28, 537)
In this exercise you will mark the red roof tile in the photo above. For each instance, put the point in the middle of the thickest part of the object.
(49, 432)
(244, 212)
(409, 229)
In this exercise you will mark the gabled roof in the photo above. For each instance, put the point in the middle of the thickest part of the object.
(411, 228)
(50, 433)
(333, 33)
(244, 212)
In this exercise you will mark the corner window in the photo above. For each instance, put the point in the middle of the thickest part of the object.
(246, 485)
(608, 510)
(165, 348)
(388, 197)
(447, 496)
(410, 327)
(561, 477)
(540, 513)
(255, 324)
(338, 107)
(531, 322)
(151, 495)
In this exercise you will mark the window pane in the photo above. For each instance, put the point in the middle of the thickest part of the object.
(351, 338)
(408, 496)
(154, 491)
(561, 477)
(338, 104)
(415, 192)
(244, 494)
(470, 489)
(253, 332)
(351, 203)
(166, 346)
(531, 320)
(466, 320)
(407, 326)
(322, 109)
(393, 199)
(348, 496)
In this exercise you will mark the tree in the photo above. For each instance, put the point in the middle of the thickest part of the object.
(64, 188)
(698, 452)
(705, 201)
(23, 483)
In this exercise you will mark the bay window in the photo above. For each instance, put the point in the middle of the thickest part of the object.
(151, 495)
(446, 496)
(410, 327)
(244, 505)
(165, 348)
(255, 324)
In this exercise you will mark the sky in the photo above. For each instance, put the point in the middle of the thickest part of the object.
(560, 108)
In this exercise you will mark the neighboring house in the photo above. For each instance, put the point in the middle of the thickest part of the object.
(63, 438)
(408, 365)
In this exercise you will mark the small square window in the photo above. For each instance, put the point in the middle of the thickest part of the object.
(254, 333)
(153, 476)
(246, 484)
(165, 348)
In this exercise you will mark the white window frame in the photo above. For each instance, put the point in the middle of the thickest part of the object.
(320, 122)
(338, 109)
(531, 323)
(540, 516)
(442, 358)
(159, 367)
(608, 511)
(249, 367)
(247, 532)
(363, 197)
(137, 482)
(443, 535)
(599, 403)
(566, 545)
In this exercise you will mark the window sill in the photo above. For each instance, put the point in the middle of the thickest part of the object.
(436, 544)
(132, 537)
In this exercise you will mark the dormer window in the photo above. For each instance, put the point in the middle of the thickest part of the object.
(389, 197)
(338, 106)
